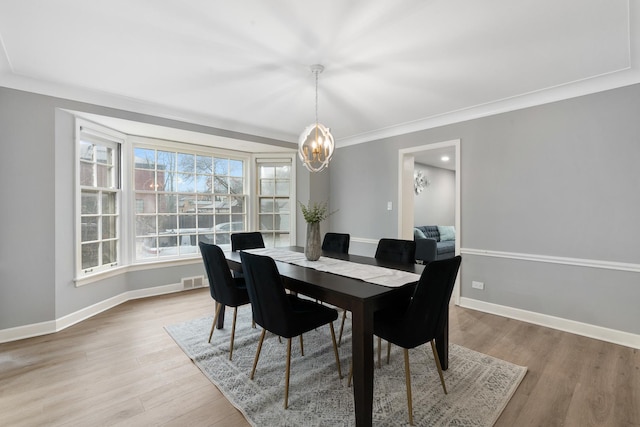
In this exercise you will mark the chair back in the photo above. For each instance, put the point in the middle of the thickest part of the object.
(425, 317)
(248, 240)
(336, 242)
(271, 307)
(221, 284)
(395, 250)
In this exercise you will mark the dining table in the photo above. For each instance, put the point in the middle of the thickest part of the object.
(362, 299)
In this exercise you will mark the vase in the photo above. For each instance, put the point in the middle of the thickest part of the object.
(313, 249)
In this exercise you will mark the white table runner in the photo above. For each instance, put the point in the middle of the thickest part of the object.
(367, 273)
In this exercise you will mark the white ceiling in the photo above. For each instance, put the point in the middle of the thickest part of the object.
(390, 66)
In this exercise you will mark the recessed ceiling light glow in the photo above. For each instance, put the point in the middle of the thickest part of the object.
(444, 158)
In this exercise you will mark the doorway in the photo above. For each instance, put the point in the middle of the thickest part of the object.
(426, 154)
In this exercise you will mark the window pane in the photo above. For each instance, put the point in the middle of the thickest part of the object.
(86, 174)
(108, 203)
(238, 204)
(168, 245)
(187, 222)
(267, 172)
(205, 222)
(167, 181)
(167, 223)
(104, 155)
(186, 163)
(187, 203)
(204, 165)
(86, 151)
(206, 238)
(205, 204)
(186, 183)
(89, 228)
(109, 252)
(89, 202)
(104, 176)
(203, 183)
(144, 158)
(266, 222)
(145, 180)
(221, 185)
(282, 188)
(221, 166)
(90, 255)
(236, 168)
(145, 203)
(166, 161)
(283, 205)
(266, 205)
(282, 222)
(167, 203)
(236, 185)
(283, 172)
(145, 225)
(108, 227)
(222, 205)
(146, 247)
(267, 187)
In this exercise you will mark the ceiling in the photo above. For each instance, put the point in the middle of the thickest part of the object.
(391, 67)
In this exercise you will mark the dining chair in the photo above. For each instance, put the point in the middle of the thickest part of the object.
(336, 242)
(396, 250)
(246, 240)
(422, 318)
(283, 314)
(225, 289)
(339, 243)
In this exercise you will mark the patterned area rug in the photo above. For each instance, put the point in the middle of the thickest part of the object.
(479, 386)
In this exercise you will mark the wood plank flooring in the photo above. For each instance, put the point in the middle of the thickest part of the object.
(121, 368)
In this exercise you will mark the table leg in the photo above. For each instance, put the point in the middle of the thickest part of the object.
(362, 355)
(442, 344)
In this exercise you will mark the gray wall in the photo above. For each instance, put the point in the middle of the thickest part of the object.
(37, 215)
(558, 180)
(436, 204)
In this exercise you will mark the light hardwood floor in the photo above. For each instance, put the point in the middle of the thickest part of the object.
(121, 368)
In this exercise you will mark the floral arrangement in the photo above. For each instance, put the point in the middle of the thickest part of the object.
(315, 212)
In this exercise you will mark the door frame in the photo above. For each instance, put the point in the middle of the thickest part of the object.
(406, 162)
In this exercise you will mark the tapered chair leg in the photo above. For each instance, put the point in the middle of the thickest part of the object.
(286, 378)
(388, 351)
(407, 376)
(350, 373)
(233, 331)
(255, 361)
(215, 320)
(435, 356)
(344, 317)
(335, 349)
(301, 346)
(379, 350)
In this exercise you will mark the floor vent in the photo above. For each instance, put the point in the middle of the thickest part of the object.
(193, 282)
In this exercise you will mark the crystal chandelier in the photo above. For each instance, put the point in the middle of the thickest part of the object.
(315, 146)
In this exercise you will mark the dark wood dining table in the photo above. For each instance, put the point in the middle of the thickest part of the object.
(362, 299)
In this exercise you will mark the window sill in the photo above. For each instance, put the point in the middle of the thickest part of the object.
(141, 266)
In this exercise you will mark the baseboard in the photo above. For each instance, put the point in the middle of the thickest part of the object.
(52, 326)
(597, 332)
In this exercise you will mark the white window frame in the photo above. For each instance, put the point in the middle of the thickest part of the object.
(276, 159)
(91, 132)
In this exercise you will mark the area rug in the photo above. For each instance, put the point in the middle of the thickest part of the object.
(479, 386)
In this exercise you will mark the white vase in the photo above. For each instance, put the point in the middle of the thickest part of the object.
(313, 248)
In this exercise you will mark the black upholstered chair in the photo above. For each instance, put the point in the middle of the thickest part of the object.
(422, 318)
(283, 314)
(225, 289)
(247, 240)
(336, 242)
(395, 250)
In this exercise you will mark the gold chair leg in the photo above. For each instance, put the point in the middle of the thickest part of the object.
(435, 356)
(233, 331)
(335, 349)
(388, 351)
(301, 345)
(286, 378)
(344, 317)
(215, 320)
(255, 361)
(407, 376)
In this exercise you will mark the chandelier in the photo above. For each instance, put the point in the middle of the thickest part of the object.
(315, 146)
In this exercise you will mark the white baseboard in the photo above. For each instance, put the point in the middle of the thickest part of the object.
(604, 334)
(52, 326)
